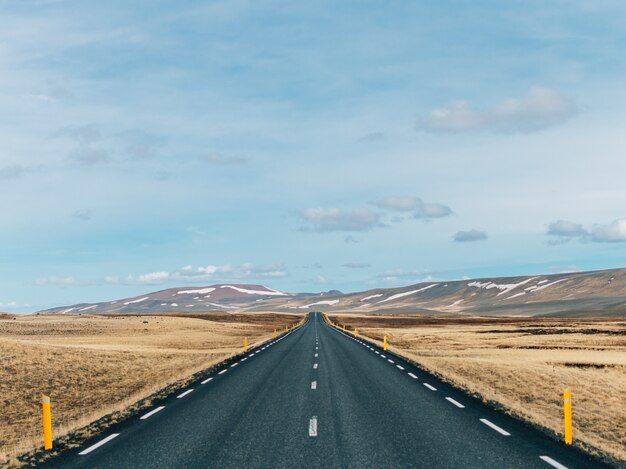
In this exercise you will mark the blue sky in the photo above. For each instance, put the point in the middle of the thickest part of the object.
(305, 145)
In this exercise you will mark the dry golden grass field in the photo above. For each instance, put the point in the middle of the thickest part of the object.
(94, 365)
(523, 364)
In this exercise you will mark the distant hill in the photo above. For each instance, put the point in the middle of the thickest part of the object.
(598, 293)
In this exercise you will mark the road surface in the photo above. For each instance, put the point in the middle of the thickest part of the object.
(317, 397)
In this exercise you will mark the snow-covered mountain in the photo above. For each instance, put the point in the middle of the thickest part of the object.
(594, 293)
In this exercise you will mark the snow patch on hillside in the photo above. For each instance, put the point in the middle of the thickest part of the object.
(325, 302)
(267, 292)
(137, 301)
(407, 293)
(371, 296)
(200, 291)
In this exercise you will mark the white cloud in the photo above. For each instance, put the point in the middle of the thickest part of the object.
(564, 231)
(614, 232)
(334, 219)
(469, 236)
(539, 109)
(566, 228)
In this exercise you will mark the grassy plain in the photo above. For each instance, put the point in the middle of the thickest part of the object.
(92, 366)
(523, 364)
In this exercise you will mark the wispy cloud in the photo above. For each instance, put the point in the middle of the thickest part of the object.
(356, 265)
(83, 214)
(208, 273)
(420, 209)
(219, 159)
(60, 281)
(12, 172)
(469, 236)
(539, 109)
(334, 219)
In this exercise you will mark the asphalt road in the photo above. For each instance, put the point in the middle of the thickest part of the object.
(319, 398)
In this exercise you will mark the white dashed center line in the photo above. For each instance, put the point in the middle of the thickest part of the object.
(456, 403)
(377, 352)
(184, 394)
(234, 365)
(222, 372)
(495, 427)
(314, 385)
(552, 462)
(382, 356)
(315, 366)
(313, 426)
(432, 388)
(206, 380)
(151, 413)
(412, 376)
(399, 367)
(390, 360)
(100, 443)
(316, 355)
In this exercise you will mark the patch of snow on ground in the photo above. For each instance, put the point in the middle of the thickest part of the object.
(516, 295)
(455, 303)
(88, 308)
(268, 292)
(67, 310)
(543, 281)
(325, 302)
(174, 304)
(407, 293)
(542, 287)
(223, 306)
(371, 296)
(137, 301)
(504, 288)
(200, 291)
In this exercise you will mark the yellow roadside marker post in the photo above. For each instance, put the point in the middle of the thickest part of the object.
(274, 332)
(344, 328)
(245, 344)
(385, 344)
(567, 415)
(355, 332)
(47, 422)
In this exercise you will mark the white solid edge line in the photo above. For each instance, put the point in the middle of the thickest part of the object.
(313, 426)
(495, 427)
(184, 394)
(400, 367)
(206, 380)
(412, 376)
(432, 388)
(552, 462)
(456, 403)
(314, 385)
(222, 372)
(151, 413)
(100, 443)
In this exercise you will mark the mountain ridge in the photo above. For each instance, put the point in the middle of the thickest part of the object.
(594, 292)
